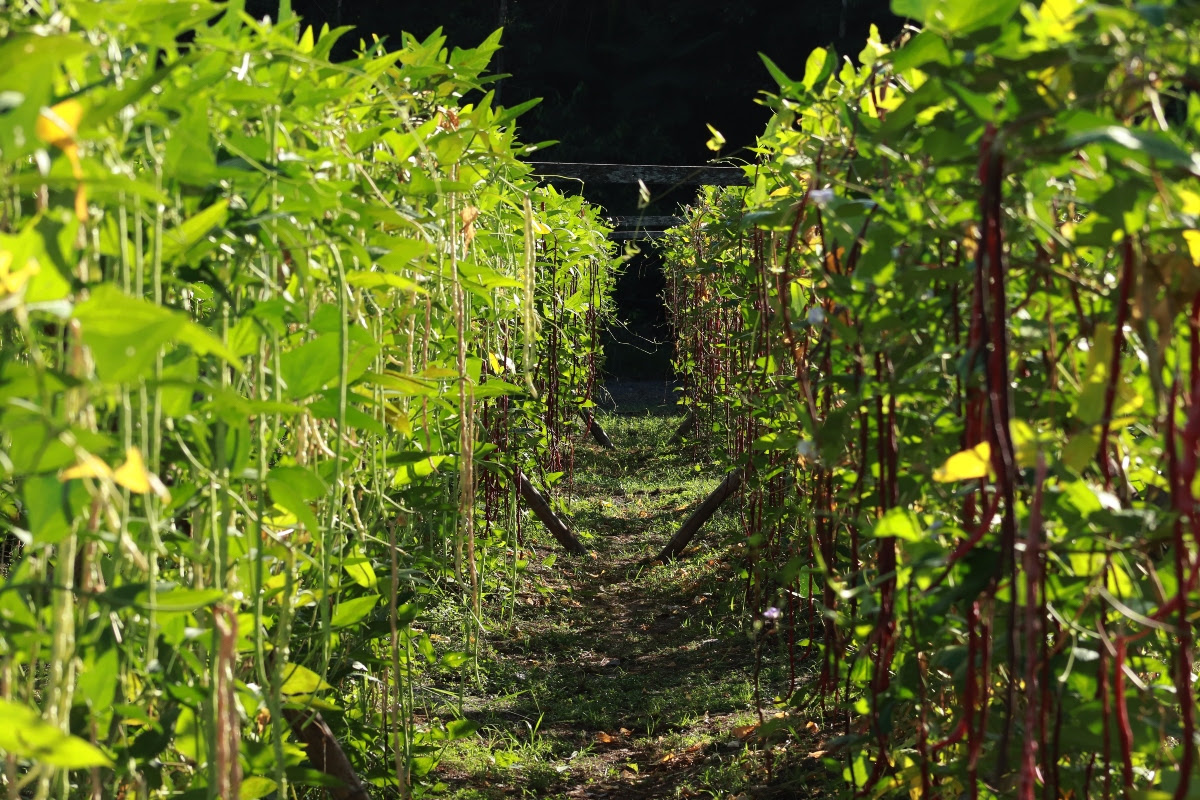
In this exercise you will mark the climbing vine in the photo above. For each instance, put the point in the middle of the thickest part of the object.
(276, 336)
(955, 321)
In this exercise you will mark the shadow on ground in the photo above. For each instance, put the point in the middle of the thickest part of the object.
(618, 679)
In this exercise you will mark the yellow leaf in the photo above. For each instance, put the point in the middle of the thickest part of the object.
(11, 281)
(717, 141)
(1193, 244)
(745, 731)
(88, 467)
(966, 465)
(58, 125)
(1026, 443)
(134, 476)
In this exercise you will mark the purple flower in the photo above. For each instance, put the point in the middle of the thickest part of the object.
(772, 613)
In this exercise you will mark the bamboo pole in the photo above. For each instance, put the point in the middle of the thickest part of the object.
(541, 508)
(325, 754)
(732, 482)
(593, 426)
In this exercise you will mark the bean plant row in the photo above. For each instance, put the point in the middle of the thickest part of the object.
(951, 335)
(278, 338)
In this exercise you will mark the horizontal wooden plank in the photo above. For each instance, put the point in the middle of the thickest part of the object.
(654, 223)
(656, 174)
(625, 236)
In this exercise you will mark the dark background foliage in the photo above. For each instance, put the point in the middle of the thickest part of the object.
(625, 81)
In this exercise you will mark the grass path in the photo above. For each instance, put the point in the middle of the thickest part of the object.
(620, 679)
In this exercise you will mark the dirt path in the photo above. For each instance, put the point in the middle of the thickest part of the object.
(621, 679)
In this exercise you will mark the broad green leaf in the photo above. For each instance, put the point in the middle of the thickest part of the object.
(924, 48)
(298, 679)
(454, 659)
(125, 334)
(53, 507)
(26, 735)
(255, 787)
(818, 68)
(359, 568)
(173, 600)
(292, 489)
(461, 728)
(190, 739)
(1152, 144)
(97, 682)
(899, 523)
(415, 470)
(956, 16)
(179, 240)
(308, 368)
(350, 612)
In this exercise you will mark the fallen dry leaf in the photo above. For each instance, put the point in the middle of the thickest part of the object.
(625, 731)
(605, 738)
(745, 731)
(812, 727)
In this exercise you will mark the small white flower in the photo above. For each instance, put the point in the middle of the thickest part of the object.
(821, 197)
(772, 613)
(816, 316)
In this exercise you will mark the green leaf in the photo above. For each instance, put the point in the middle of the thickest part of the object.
(350, 612)
(422, 467)
(179, 240)
(785, 83)
(255, 787)
(125, 334)
(454, 659)
(1154, 145)
(899, 523)
(292, 488)
(26, 735)
(298, 679)
(818, 68)
(308, 368)
(956, 16)
(461, 728)
(169, 599)
(924, 48)
(189, 739)
(52, 507)
(97, 683)
(359, 568)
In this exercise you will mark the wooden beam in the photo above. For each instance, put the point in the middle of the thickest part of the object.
(648, 222)
(593, 426)
(732, 482)
(541, 509)
(626, 236)
(325, 754)
(699, 175)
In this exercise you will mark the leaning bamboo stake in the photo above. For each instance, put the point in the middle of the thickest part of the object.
(325, 754)
(593, 426)
(684, 428)
(732, 482)
(541, 508)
